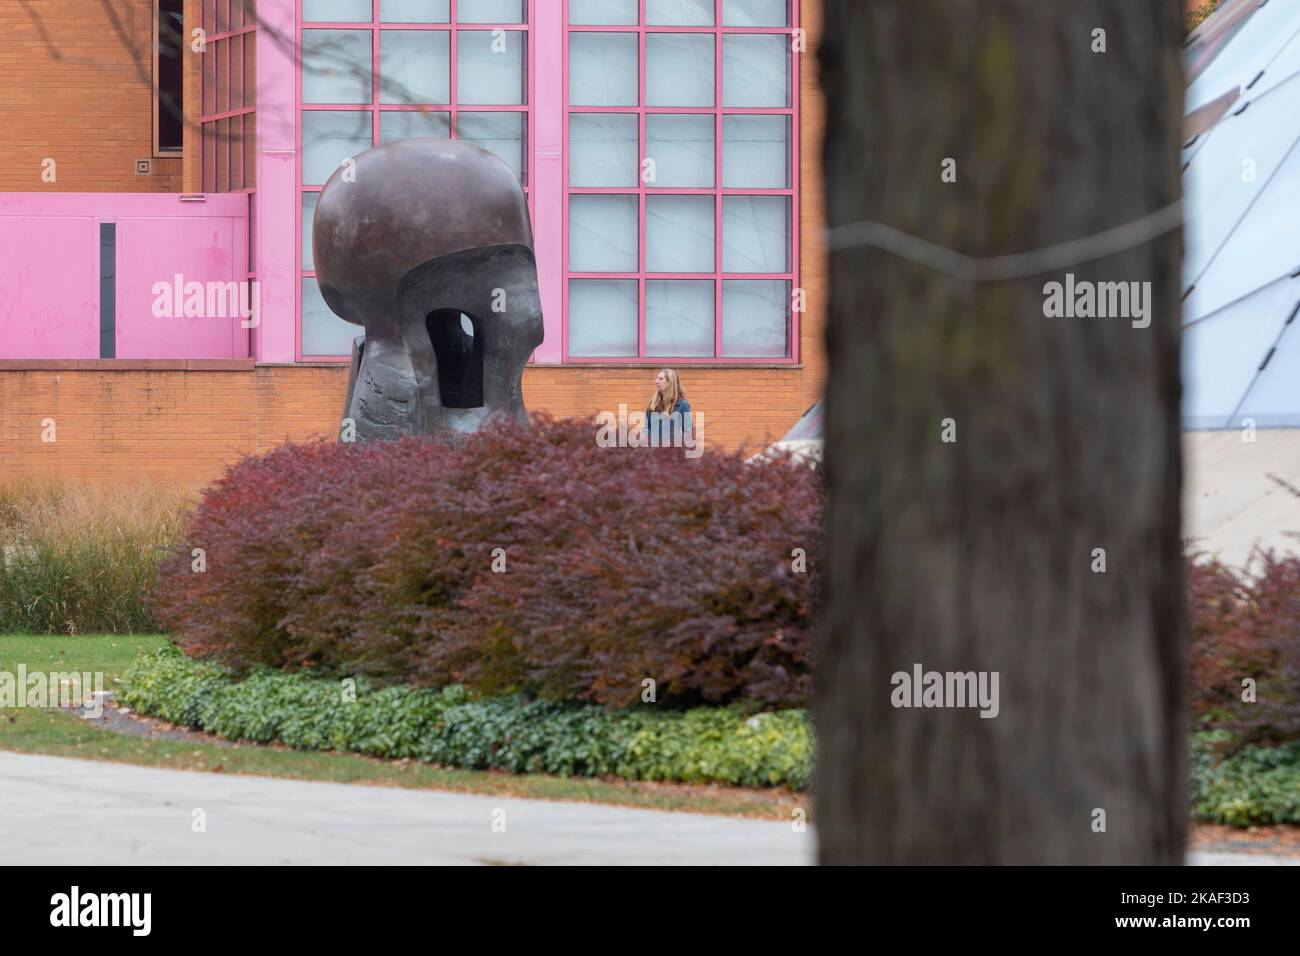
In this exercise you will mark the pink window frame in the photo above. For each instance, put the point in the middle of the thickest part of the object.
(226, 24)
(641, 190)
(452, 108)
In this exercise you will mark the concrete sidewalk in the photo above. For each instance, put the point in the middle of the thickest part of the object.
(83, 812)
(88, 812)
(1230, 504)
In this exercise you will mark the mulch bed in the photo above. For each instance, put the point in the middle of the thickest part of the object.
(1217, 838)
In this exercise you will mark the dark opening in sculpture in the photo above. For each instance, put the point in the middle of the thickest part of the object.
(456, 345)
(426, 243)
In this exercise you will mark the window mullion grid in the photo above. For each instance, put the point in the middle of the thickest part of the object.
(717, 179)
(203, 25)
(375, 79)
(640, 179)
(230, 162)
(298, 272)
(791, 180)
(530, 51)
(565, 184)
(452, 107)
(223, 126)
(454, 66)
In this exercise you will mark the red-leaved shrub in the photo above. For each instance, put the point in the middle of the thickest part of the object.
(1246, 626)
(518, 558)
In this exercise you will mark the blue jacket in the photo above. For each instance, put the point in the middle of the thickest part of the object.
(669, 426)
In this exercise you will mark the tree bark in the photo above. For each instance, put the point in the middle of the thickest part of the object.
(978, 554)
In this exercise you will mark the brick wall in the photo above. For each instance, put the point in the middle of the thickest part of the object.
(812, 212)
(78, 92)
(162, 421)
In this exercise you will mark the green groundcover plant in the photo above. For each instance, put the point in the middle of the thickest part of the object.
(453, 728)
(725, 745)
(1253, 785)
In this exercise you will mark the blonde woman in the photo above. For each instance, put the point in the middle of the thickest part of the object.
(669, 414)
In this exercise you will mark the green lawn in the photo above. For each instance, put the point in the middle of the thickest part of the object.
(107, 653)
(62, 734)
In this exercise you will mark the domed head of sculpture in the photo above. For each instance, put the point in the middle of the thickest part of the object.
(426, 244)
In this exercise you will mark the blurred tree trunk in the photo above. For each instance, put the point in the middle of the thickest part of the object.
(978, 554)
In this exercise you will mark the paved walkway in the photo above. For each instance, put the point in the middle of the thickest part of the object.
(92, 813)
(1230, 502)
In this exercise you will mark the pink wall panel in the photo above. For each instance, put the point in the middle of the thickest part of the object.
(49, 272)
(548, 173)
(153, 251)
(276, 198)
(49, 287)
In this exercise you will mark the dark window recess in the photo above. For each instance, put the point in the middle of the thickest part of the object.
(459, 352)
(108, 290)
(171, 82)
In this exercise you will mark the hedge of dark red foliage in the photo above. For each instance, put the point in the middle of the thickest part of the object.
(620, 564)
(1246, 627)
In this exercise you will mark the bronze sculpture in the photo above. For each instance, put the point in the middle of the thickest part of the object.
(426, 243)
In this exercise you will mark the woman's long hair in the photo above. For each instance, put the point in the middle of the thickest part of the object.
(666, 401)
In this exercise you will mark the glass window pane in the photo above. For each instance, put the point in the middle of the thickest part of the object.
(755, 13)
(415, 11)
(602, 317)
(679, 234)
(209, 84)
(603, 69)
(755, 152)
(334, 11)
(692, 13)
(679, 69)
(414, 66)
(223, 156)
(755, 234)
(336, 66)
(413, 124)
(602, 149)
(208, 161)
(601, 12)
(499, 133)
(323, 332)
(603, 233)
(236, 75)
(755, 70)
(490, 11)
(678, 317)
(308, 213)
(490, 67)
(755, 318)
(250, 150)
(682, 149)
(328, 138)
